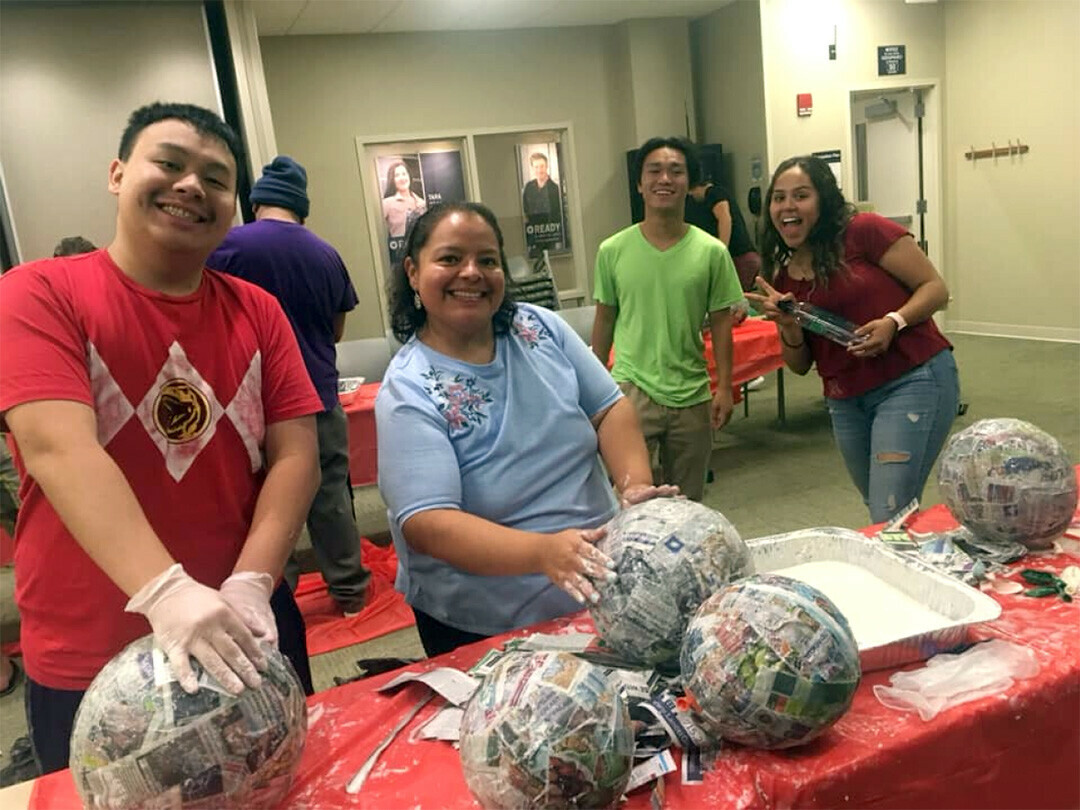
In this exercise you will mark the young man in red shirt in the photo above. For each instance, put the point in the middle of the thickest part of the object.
(165, 434)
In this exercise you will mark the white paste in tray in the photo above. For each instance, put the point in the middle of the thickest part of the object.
(878, 612)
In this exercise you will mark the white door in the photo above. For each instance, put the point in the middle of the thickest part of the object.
(896, 144)
(888, 144)
(892, 165)
(896, 141)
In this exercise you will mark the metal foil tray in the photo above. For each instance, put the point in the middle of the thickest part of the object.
(869, 579)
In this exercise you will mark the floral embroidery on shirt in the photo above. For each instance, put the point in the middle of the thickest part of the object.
(528, 327)
(457, 397)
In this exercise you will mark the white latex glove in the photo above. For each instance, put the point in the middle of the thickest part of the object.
(949, 679)
(248, 593)
(189, 618)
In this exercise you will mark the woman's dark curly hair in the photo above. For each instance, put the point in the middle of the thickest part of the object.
(826, 240)
(405, 318)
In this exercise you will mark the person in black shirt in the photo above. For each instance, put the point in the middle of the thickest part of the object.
(710, 207)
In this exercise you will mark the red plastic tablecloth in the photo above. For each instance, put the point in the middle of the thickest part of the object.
(359, 407)
(756, 351)
(1016, 749)
(385, 611)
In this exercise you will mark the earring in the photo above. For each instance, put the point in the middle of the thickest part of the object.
(416, 302)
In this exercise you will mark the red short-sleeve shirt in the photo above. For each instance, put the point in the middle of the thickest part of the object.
(182, 389)
(862, 293)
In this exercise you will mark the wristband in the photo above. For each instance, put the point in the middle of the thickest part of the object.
(898, 319)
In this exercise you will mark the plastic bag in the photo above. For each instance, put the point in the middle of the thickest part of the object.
(948, 679)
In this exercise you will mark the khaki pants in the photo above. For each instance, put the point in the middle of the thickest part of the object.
(679, 441)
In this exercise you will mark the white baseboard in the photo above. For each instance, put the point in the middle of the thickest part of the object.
(1059, 334)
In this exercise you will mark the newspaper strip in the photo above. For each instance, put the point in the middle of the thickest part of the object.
(445, 725)
(690, 737)
(653, 768)
(567, 642)
(353, 785)
(450, 683)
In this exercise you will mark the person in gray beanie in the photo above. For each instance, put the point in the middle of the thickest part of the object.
(309, 278)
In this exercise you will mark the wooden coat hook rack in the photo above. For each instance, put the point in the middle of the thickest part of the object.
(996, 151)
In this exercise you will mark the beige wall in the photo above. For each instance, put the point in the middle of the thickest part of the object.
(729, 90)
(69, 77)
(1008, 69)
(795, 53)
(795, 44)
(660, 75)
(327, 90)
(1013, 244)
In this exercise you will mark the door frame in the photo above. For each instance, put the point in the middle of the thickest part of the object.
(933, 173)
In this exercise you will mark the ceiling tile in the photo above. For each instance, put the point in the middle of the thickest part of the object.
(342, 16)
(276, 17)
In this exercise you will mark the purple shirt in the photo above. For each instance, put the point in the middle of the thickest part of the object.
(309, 279)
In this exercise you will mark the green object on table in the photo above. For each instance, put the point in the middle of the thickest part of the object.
(1047, 584)
(1036, 577)
(1042, 590)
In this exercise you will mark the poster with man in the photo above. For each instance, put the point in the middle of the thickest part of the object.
(410, 184)
(542, 200)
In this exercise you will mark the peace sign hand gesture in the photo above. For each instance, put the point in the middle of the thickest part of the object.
(768, 303)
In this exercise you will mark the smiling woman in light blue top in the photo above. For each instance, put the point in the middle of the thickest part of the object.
(490, 421)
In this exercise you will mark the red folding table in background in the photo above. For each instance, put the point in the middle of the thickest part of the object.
(359, 407)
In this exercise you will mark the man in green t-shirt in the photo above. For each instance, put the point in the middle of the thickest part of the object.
(655, 284)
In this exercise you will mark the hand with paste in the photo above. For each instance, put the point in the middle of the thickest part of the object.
(574, 562)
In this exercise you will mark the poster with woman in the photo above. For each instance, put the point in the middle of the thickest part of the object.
(542, 202)
(413, 182)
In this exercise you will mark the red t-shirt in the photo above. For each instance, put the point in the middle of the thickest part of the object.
(862, 294)
(182, 389)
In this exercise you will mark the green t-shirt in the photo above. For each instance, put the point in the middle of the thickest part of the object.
(662, 299)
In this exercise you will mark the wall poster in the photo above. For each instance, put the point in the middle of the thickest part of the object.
(543, 202)
(413, 182)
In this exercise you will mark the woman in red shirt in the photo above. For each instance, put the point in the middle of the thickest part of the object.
(894, 392)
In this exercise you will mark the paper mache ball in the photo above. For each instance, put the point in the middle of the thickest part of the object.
(1007, 480)
(547, 730)
(670, 554)
(141, 741)
(769, 662)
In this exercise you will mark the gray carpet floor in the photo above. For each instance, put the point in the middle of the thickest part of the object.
(771, 478)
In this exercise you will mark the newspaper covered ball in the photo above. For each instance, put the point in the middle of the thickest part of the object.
(1007, 480)
(141, 741)
(769, 662)
(546, 730)
(670, 554)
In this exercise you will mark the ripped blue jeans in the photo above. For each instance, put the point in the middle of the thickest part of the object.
(891, 435)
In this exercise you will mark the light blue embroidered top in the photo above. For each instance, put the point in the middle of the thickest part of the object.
(509, 441)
